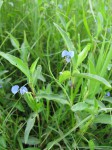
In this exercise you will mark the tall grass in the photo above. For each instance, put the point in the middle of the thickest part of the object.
(68, 105)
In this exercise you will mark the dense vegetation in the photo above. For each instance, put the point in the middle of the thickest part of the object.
(55, 74)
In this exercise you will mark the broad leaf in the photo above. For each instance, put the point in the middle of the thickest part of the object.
(108, 99)
(104, 119)
(83, 54)
(93, 77)
(79, 106)
(54, 97)
(64, 76)
(17, 63)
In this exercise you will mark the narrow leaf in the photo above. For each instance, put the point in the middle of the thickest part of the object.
(33, 66)
(37, 75)
(29, 126)
(25, 49)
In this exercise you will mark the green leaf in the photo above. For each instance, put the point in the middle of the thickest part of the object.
(86, 24)
(79, 106)
(91, 145)
(14, 41)
(37, 75)
(31, 141)
(64, 76)
(83, 54)
(54, 97)
(25, 49)
(104, 119)
(31, 148)
(99, 23)
(29, 126)
(108, 99)
(3, 72)
(67, 40)
(32, 103)
(1, 3)
(93, 77)
(2, 142)
(20, 107)
(17, 63)
(106, 62)
(33, 66)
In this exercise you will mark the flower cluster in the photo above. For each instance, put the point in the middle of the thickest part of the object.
(22, 90)
(68, 55)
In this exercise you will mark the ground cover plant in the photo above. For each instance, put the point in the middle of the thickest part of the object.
(55, 75)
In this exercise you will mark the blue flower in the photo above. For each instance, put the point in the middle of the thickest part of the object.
(23, 90)
(68, 55)
(60, 6)
(15, 89)
(108, 94)
(0, 86)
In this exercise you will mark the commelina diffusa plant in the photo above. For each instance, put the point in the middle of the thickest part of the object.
(79, 102)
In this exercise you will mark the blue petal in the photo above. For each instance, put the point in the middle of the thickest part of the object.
(60, 6)
(71, 54)
(23, 90)
(0, 86)
(64, 53)
(14, 89)
(68, 59)
(108, 94)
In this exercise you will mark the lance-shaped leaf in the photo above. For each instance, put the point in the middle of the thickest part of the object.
(79, 106)
(64, 76)
(17, 63)
(83, 54)
(14, 41)
(25, 48)
(29, 126)
(93, 77)
(53, 97)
